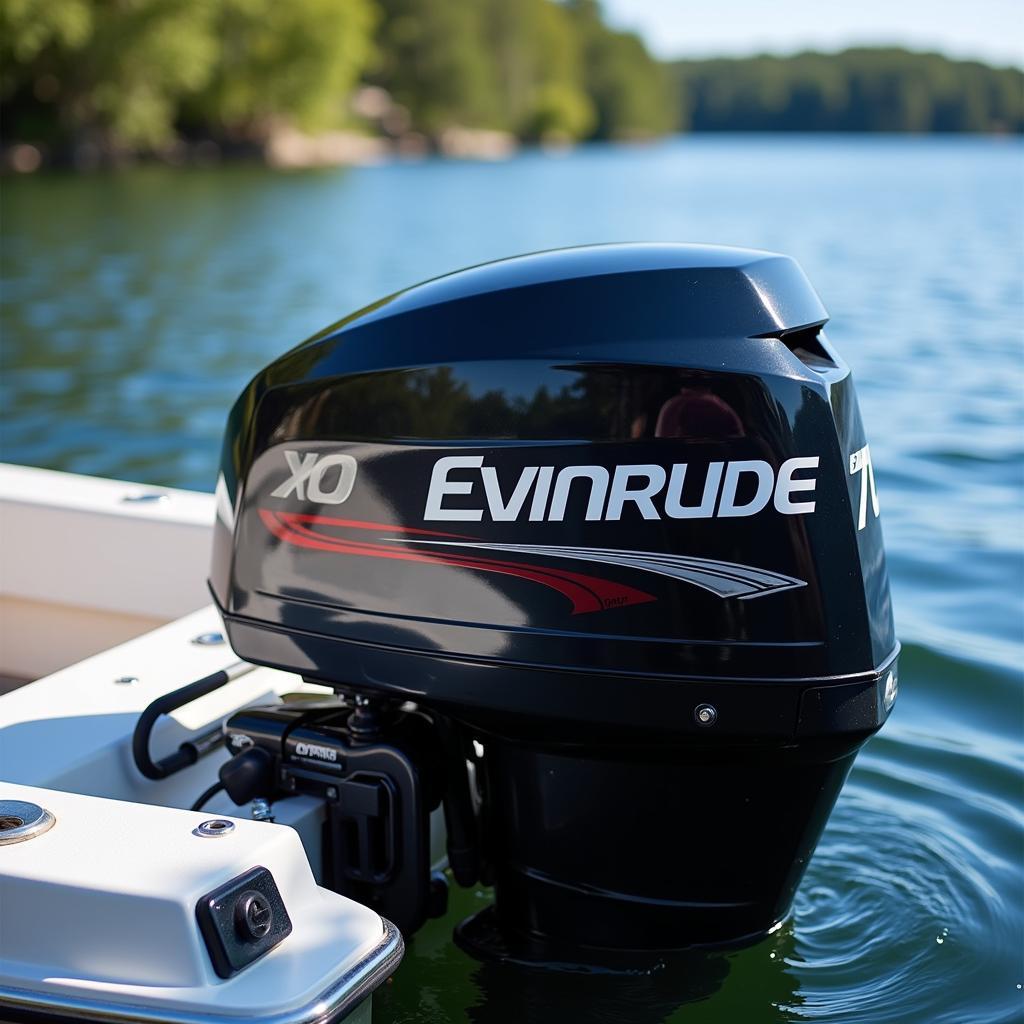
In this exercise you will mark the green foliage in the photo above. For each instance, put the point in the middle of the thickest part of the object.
(538, 61)
(434, 62)
(539, 68)
(559, 112)
(121, 73)
(284, 58)
(125, 84)
(631, 92)
(559, 106)
(882, 90)
(27, 27)
(133, 75)
(105, 72)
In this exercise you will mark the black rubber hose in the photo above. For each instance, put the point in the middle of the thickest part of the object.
(207, 794)
(190, 751)
(459, 818)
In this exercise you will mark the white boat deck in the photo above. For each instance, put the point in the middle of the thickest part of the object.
(103, 605)
(86, 564)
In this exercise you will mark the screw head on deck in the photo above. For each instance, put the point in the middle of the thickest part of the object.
(214, 828)
(208, 639)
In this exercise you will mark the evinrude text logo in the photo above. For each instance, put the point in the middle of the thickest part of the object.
(327, 479)
(540, 493)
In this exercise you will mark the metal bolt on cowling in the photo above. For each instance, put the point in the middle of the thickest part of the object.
(705, 715)
(892, 689)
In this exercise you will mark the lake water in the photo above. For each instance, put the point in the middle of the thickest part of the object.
(135, 307)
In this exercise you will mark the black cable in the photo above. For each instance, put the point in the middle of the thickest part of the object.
(206, 795)
(191, 750)
(459, 816)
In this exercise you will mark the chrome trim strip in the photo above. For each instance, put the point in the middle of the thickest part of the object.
(341, 997)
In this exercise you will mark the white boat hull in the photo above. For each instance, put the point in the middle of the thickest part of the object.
(103, 604)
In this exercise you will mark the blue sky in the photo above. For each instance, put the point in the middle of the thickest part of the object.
(991, 30)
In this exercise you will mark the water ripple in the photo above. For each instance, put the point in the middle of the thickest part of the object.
(896, 902)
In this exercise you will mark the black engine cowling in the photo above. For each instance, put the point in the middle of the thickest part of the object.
(610, 510)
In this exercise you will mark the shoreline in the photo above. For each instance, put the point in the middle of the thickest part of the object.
(295, 151)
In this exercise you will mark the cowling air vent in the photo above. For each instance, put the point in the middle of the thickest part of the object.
(808, 345)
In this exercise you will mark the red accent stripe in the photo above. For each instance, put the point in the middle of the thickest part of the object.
(361, 524)
(583, 598)
(602, 588)
(586, 593)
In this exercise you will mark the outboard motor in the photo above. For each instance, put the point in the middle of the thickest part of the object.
(587, 542)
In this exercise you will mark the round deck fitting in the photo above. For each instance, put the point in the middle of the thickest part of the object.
(213, 828)
(21, 821)
(208, 639)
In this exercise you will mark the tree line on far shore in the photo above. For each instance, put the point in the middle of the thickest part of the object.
(147, 75)
(858, 90)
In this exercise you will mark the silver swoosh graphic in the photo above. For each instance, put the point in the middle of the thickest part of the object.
(726, 579)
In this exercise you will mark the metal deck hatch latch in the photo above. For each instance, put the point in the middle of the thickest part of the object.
(21, 821)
